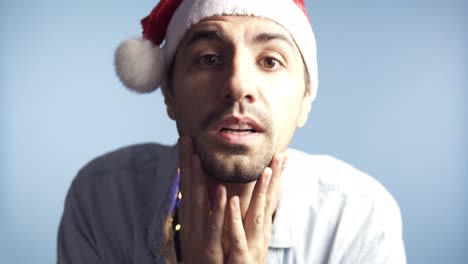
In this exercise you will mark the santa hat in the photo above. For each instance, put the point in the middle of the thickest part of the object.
(141, 62)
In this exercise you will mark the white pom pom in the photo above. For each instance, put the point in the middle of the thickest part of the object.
(139, 65)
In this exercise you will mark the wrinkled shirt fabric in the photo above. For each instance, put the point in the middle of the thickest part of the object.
(329, 211)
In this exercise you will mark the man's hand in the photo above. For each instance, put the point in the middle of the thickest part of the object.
(203, 225)
(249, 238)
(201, 230)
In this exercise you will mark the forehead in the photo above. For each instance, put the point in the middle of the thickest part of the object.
(238, 28)
(233, 21)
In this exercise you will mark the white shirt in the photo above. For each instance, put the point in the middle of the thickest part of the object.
(330, 212)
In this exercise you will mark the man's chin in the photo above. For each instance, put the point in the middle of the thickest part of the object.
(238, 179)
(234, 168)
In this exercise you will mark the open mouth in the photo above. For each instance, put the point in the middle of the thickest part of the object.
(237, 129)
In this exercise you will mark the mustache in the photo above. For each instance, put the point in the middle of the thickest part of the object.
(218, 114)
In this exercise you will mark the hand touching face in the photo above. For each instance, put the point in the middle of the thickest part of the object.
(203, 224)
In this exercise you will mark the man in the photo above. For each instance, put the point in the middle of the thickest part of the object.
(238, 78)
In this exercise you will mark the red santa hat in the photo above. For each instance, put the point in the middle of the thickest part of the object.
(141, 62)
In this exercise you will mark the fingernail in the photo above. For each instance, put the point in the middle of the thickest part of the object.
(279, 162)
(235, 202)
(268, 173)
(219, 192)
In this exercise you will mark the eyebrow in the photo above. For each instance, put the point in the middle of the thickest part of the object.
(267, 37)
(218, 36)
(205, 35)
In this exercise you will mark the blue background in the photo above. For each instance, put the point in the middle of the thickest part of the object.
(392, 101)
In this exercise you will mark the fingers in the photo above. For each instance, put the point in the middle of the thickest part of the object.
(215, 223)
(254, 219)
(199, 224)
(185, 164)
(238, 239)
(194, 204)
(201, 233)
(274, 188)
(265, 196)
(199, 196)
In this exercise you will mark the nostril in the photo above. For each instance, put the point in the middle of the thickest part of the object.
(233, 93)
(249, 98)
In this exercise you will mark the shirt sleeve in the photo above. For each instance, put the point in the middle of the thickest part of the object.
(76, 242)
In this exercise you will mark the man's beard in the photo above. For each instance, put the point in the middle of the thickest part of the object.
(235, 163)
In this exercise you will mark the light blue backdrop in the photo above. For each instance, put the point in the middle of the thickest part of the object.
(392, 101)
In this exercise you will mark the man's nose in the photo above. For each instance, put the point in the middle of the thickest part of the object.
(240, 82)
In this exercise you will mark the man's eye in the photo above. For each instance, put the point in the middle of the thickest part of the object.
(209, 60)
(270, 63)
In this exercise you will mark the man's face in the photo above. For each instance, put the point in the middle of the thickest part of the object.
(239, 90)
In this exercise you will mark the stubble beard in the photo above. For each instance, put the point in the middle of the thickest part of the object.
(234, 164)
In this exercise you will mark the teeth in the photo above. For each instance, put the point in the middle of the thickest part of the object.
(238, 126)
(237, 129)
(229, 131)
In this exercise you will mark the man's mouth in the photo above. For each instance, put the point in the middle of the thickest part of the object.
(238, 125)
(238, 130)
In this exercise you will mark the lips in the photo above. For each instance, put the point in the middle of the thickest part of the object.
(234, 125)
(238, 131)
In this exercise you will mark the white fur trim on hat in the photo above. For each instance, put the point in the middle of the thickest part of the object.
(139, 65)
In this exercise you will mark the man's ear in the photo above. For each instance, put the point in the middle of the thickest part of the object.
(306, 106)
(169, 101)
